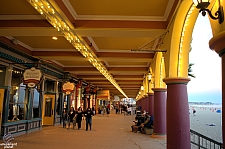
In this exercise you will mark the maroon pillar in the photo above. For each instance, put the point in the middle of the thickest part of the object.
(151, 103)
(159, 111)
(146, 103)
(142, 104)
(178, 121)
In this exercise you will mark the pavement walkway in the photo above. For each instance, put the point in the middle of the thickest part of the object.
(108, 132)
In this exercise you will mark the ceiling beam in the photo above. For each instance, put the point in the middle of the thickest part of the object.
(28, 31)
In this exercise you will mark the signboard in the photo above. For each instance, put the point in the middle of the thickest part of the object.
(32, 77)
(103, 94)
(68, 87)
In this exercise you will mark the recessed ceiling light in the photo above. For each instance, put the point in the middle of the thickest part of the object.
(54, 38)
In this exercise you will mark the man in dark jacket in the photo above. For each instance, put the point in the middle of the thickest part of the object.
(148, 122)
(88, 114)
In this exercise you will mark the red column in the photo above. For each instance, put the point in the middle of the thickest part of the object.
(151, 103)
(178, 121)
(147, 103)
(159, 111)
(141, 104)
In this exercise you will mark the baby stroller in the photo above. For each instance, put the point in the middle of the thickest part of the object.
(74, 121)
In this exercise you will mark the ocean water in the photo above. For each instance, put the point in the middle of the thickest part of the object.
(206, 115)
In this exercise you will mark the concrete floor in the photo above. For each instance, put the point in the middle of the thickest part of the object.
(108, 132)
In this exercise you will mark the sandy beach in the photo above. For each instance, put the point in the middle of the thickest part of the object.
(205, 116)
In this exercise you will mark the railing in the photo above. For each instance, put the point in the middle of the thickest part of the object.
(199, 141)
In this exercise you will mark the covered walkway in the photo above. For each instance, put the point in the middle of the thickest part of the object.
(111, 132)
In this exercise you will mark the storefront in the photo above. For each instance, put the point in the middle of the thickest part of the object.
(26, 107)
(102, 100)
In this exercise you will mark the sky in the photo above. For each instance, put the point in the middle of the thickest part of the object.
(207, 86)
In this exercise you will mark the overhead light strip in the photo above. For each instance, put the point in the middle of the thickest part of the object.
(45, 8)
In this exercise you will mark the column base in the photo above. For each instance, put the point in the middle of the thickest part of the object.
(158, 136)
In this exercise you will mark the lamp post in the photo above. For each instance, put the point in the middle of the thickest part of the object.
(149, 76)
(203, 4)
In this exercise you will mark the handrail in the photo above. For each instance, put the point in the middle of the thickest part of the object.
(202, 142)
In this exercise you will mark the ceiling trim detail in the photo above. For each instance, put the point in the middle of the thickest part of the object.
(127, 18)
(20, 43)
(21, 17)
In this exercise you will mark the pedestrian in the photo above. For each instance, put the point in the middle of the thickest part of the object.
(93, 109)
(194, 112)
(125, 110)
(71, 116)
(108, 109)
(79, 117)
(64, 118)
(88, 114)
(117, 109)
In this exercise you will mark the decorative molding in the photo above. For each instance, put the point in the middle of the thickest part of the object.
(217, 42)
(12, 129)
(21, 127)
(150, 94)
(21, 17)
(111, 17)
(159, 89)
(176, 80)
(20, 43)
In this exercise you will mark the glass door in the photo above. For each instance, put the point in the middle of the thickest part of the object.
(48, 110)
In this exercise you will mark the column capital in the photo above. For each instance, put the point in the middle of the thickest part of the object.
(150, 94)
(176, 80)
(159, 89)
(217, 43)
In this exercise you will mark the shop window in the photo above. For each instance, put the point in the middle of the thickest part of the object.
(17, 97)
(2, 75)
(65, 101)
(36, 104)
(49, 86)
(16, 104)
(59, 98)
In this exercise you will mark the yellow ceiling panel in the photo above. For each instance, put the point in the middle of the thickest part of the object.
(16, 7)
(120, 43)
(45, 42)
(116, 63)
(120, 7)
(75, 63)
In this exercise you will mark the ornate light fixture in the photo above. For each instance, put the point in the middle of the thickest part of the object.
(149, 76)
(203, 4)
(142, 88)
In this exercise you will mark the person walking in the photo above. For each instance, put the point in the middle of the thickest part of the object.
(88, 114)
(194, 112)
(108, 109)
(79, 117)
(71, 116)
(93, 109)
(64, 118)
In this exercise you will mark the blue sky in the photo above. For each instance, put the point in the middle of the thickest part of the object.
(206, 87)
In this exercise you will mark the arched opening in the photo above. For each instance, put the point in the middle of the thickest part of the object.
(204, 91)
